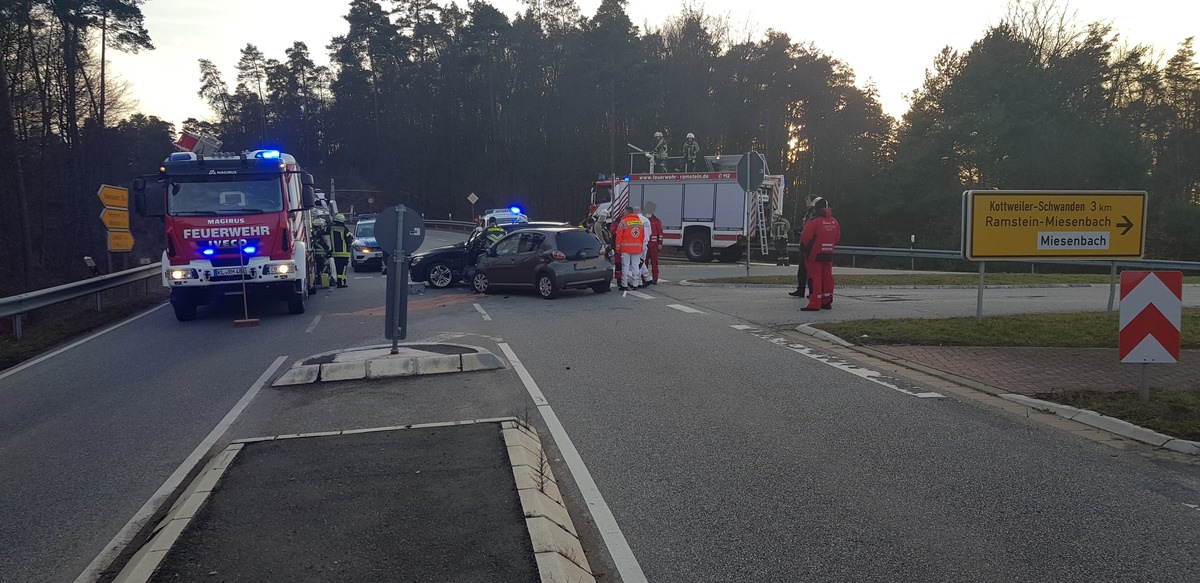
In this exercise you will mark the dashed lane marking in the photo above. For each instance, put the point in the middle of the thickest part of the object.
(838, 363)
(644, 296)
(486, 317)
(683, 308)
(313, 326)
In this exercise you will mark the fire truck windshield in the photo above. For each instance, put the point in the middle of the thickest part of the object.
(221, 195)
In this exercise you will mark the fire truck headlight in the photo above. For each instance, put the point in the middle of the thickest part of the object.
(285, 268)
(178, 274)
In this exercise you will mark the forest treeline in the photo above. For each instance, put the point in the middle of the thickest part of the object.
(422, 104)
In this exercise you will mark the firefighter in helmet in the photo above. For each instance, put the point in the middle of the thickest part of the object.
(780, 232)
(691, 154)
(322, 251)
(659, 159)
(341, 240)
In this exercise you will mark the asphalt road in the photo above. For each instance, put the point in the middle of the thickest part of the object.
(724, 451)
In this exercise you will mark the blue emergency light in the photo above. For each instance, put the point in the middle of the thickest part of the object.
(268, 154)
(516, 210)
(249, 249)
(210, 251)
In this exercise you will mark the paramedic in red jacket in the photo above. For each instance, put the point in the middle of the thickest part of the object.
(820, 237)
(656, 241)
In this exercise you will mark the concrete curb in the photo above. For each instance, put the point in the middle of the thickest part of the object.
(560, 557)
(1091, 418)
(1109, 424)
(145, 561)
(387, 366)
(556, 547)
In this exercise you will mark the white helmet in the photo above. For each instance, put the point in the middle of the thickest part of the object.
(658, 134)
(318, 222)
(691, 136)
(602, 215)
(339, 217)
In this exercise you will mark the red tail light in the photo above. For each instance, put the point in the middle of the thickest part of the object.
(558, 256)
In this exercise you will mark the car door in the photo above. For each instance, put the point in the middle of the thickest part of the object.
(528, 257)
(502, 260)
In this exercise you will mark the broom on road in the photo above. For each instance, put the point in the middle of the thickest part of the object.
(246, 321)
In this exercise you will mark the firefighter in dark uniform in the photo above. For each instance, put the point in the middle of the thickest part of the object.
(341, 239)
(691, 154)
(781, 230)
(321, 250)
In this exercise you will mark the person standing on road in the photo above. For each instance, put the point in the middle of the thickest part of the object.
(802, 279)
(322, 251)
(493, 232)
(656, 241)
(781, 231)
(643, 274)
(341, 239)
(631, 243)
(820, 237)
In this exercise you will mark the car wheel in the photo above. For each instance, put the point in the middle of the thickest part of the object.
(439, 276)
(480, 282)
(698, 249)
(602, 287)
(545, 286)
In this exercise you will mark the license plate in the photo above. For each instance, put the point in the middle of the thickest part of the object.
(222, 271)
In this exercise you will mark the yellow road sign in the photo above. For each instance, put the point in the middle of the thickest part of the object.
(115, 218)
(1053, 224)
(114, 196)
(120, 241)
(472, 198)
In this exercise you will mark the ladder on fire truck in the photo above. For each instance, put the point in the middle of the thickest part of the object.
(760, 222)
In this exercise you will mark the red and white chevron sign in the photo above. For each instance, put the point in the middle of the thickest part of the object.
(1151, 310)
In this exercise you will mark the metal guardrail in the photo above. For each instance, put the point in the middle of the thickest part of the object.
(16, 306)
(450, 225)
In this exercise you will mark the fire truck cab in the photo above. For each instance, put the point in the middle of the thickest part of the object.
(234, 224)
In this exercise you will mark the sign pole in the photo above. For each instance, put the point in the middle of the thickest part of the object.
(1112, 288)
(1145, 387)
(979, 297)
(401, 296)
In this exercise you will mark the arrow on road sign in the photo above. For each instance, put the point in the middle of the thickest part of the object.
(115, 218)
(1128, 224)
(120, 241)
(114, 196)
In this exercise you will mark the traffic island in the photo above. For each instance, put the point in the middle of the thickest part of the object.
(372, 362)
(463, 501)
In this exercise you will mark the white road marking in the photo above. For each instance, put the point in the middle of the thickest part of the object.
(313, 326)
(858, 371)
(364, 277)
(639, 294)
(122, 538)
(622, 556)
(16, 369)
(625, 293)
(683, 308)
(486, 317)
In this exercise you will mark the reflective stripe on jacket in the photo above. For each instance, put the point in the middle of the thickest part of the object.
(341, 240)
(631, 235)
(821, 235)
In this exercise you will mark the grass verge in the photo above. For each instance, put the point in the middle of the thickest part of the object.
(1070, 330)
(1171, 412)
(67, 321)
(1174, 413)
(955, 279)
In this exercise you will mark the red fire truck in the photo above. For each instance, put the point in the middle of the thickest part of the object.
(234, 222)
(702, 212)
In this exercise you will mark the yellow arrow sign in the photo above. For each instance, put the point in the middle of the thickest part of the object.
(1015, 224)
(115, 218)
(114, 196)
(120, 241)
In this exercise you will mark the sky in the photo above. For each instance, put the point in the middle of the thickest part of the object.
(886, 42)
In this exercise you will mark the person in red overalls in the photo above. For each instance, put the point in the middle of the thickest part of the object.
(656, 241)
(820, 238)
